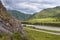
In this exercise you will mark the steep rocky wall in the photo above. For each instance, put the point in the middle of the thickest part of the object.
(8, 22)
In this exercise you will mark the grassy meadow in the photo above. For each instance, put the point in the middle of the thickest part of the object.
(30, 35)
(34, 35)
(43, 21)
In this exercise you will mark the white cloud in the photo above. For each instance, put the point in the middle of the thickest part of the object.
(30, 6)
(27, 5)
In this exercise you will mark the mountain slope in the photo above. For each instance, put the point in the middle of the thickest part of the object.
(49, 12)
(19, 15)
(8, 23)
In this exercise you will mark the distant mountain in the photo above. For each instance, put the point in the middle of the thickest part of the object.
(19, 15)
(49, 12)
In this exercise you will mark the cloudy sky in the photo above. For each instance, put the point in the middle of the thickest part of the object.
(30, 6)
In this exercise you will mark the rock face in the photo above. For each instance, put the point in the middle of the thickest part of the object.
(8, 24)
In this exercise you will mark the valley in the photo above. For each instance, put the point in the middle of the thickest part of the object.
(17, 25)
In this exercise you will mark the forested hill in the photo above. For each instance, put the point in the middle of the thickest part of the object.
(19, 15)
(49, 12)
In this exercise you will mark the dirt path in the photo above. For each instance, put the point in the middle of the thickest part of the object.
(46, 27)
(43, 31)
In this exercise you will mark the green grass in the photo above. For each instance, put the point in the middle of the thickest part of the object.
(44, 21)
(34, 35)
(14, 36)
(30, 35)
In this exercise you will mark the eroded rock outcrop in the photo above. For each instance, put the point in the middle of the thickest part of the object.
(8, 23)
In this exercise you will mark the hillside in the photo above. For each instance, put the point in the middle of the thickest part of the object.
(49, 17)
(48, 13)
(8, 23)
(19, 15)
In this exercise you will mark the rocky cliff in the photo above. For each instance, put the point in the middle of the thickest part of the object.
(8, 23)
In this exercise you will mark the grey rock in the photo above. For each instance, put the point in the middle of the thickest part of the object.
(9, 24)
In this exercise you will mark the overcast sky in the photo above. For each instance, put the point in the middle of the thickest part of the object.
(30, 6)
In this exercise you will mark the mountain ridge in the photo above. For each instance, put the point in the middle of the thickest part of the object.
(49, 12)
(19, 15)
